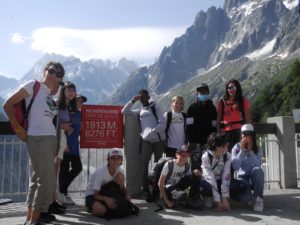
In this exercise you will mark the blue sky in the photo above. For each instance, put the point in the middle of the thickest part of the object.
(135, 29)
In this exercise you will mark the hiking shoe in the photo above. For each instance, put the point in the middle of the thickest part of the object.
(54, 208)
(68, 200)
(148, 197)
(47, 217)
(258, 205)
(60, 197)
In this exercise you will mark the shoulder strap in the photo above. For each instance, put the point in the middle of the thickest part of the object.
(225, 157)
(210, 156)
(243, 111)
(223, 106)
(186, 167)
(169, 120)
(184, 118)
(153, 109)
(36, 88)
(171, 167)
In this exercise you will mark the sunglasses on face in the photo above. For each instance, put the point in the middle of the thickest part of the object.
(70, 89)
(232, 88)
(52, 71)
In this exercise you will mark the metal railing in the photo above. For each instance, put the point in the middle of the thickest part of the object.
(14, 164)
(14, 169)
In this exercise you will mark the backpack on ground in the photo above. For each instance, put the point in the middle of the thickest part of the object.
(20, 110)
(124, 207)
(154, 176)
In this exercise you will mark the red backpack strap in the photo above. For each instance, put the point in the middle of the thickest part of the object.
(36, 88)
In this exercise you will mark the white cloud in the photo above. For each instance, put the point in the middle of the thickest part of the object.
(133, 43)
(17, 38)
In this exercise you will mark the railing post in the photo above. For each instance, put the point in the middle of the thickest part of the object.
(133, 157)
(285, 135)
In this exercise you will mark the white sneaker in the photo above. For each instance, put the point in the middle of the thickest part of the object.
(60, 197)
(68, 200)
(258, 205)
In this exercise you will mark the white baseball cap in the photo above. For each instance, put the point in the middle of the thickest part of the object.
(115, 152)
(247, 127)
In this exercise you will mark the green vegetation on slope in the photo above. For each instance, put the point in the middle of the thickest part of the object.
(280, 97)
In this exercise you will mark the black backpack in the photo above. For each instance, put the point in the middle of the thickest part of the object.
(154, 176)
(124, 207)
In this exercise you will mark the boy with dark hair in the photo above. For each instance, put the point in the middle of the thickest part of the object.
(179, 179)
(152, 131)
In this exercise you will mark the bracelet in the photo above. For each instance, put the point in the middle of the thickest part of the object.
(19, 130)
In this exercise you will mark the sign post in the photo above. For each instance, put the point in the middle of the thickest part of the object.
(102, 126)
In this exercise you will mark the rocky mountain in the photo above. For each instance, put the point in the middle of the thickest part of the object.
(253, 33)
(97, 79)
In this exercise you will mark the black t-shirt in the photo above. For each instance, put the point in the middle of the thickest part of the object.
(203, 114)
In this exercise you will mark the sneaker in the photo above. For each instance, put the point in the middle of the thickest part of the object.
(54, 208)
(60, 197)
(258, 205)
(47, 217)
(60, 205)
(68, 200)
(40, 222)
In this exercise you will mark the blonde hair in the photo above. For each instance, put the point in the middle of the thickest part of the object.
(177, 98)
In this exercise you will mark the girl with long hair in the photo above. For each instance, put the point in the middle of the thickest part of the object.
(233, 112)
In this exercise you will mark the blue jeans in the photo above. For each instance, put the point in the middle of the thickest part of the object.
(243, 186)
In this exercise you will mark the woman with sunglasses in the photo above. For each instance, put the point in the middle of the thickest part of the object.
(246, 161)
(70, 122)
(40, 138)
(233, 112)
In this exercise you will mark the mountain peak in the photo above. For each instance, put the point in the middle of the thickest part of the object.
(229, 4)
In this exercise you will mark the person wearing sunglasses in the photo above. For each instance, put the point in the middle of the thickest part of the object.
(246, 162)
(233, 112)
(40, 138)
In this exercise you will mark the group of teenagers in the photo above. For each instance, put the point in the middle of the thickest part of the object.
(224, 136)
(52, 140)
(218, 144)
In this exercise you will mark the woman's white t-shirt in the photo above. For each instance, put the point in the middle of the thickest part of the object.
(42, 112)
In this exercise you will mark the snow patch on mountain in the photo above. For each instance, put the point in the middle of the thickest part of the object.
(290, 4)
(263, 51)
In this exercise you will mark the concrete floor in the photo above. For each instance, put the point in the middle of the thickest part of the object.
(281, 207)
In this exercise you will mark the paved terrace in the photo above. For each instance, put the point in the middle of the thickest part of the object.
(281, 207)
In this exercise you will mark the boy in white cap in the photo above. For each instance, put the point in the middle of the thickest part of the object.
(246, 161)
(97, 204)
